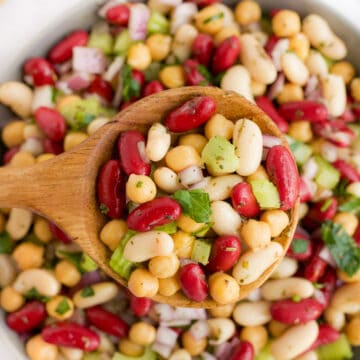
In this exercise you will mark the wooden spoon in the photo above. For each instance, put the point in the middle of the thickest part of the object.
(63, 189)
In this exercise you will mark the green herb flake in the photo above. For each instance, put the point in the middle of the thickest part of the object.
(217, 16)
(33, 294)
(131, 88)
(318, 285)
(139, 184)
(352, 205)
(205, 73)
(6, 243)
(299, 246)
(194, 203)
(326, 205)
(74, 257)
(63, 307)
(296, 298)
(103, 209)
(340, 190)
(87, 291)
(342, 247)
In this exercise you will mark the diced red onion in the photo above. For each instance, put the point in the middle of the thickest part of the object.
(200, 329)
(88, 60)
(327, 257)
(166, 336)
(139, 17)
(181, 15)
(342, 138)
(190, 175)
(43, 97)
(190, 313)
(161, 349)
(142, 152)
(175, 323)
(310, 186)
(312, 87)
(164, 311)
(78, 81)
(279, 49)
(202, 184)
(264, 153)
(310, 169)
(320, 297)
(207, 356)
(329, 151)
(114, 68)
(109, 4)
(322, 194)
(276, 87)
(255, 295)
(269, 141)
(63, 87)
(224, 350)
(63, 68)
(33, 146)
(29, 80)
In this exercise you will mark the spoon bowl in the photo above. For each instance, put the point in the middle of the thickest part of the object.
(63, 189)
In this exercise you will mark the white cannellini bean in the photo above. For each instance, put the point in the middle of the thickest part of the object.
(71, 353)
(322, 37)
(180, 354)
(158, 142)
(106, 345)
(237, 79)
(17, 96)
(294, 341)
(334, 93)
(294, 69)
(285, 269)
(44, 281)
(146, 245)
(225, 219)
(167, 179)
(219, 188)
(33, 146)
(248, 142)
(280, 289)
(43, 97)
(182, 14)
(7, 270)
(103, 292)
(354, 189)
(256, 60)
(183, 40)
(19, 223)
(221, 329)
(253, 263)
(346, 299)
(252, 313)
(96, 124)
(316, 64)
(310, 355)
(334, 318)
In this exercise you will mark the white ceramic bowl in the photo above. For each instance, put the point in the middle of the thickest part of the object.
(29, 27)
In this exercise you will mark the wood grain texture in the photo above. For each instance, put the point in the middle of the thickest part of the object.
(63, 189)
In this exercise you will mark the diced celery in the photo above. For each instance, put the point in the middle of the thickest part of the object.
(169, 228)
(301, 152)
(122, 43)
(266, 194)
(327, 176)
(118, 263)
(147, 355)
(201, 251)
(264, 353)
(157, 23)
(338, 350)
(88, 264)
(101, 40)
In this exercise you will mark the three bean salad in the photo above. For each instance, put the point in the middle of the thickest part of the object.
(64, 308)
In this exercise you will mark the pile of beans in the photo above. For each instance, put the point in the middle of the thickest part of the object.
(294, 69)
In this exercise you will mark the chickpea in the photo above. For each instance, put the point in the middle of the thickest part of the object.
(219, 125)
(259, 174)
(140, 188)
(346, 278)
(112, 233)
(348, 221)
(247, 12)
(13, 133)
(257, 88)
(159, 46)
(276, 328)
(301, 131)
(344, 69)
(180, 354)
(187, 224)
(44, 157)
(67, 273)
(226, 32)
(142, 333)
(172, 76)
(223, 311)
(22, 159)
(300, 45)
(139, 56)
(38, 349)
(42, 230)
(286, 23)
(74, 138)
(256, 335)
(183, 244)
(164, 266)
(290, 92)
(166, 179)
(169, 286)
(182, 156)
(209, 20)
(256, 234)
(355, 88)
(11, 300)
(278, 220)
(352, 331)
(60, 307)
(129, 348)
(193, 346)
(143, 284)
(28, 256)
(2, 222)
(223, 288)
(197, 141)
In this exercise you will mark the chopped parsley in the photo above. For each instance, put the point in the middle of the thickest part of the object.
(63, 307)
(131, 87)
(352, 205)
(33, 294)
(299, 246)
(6, 243)
(139, 184)
(326, 205)
(87, 291)
(217, 16)
(103, 209)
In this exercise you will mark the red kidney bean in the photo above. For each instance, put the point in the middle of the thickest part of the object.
(225, 252)
(193, 282)
(191, 114)
(303, 255)
(327, 335)
(335, 131)
(323, 210)
(131, 144)
(347, 171)
(151, 214)
(107, 321)
(282, 169)
(356, 236)
(244, 351)
(59, 234)
(140, 306)
(10, 153)
(40, 71)
(51, 122)
(118, 15)
(202, 48)
(304, 191)
(192, 74)
(304, 110)
(356, 109)
(62, 51)
(328, 282)
(315, 267)
(226, 54)
(102, 88)
(71, 335)
(270, 44)
(27, 318)
(110, 189)
(152, 87)
(202, 3)
(296, 312)
(266, 105)
(244, 201)
(53, 147)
